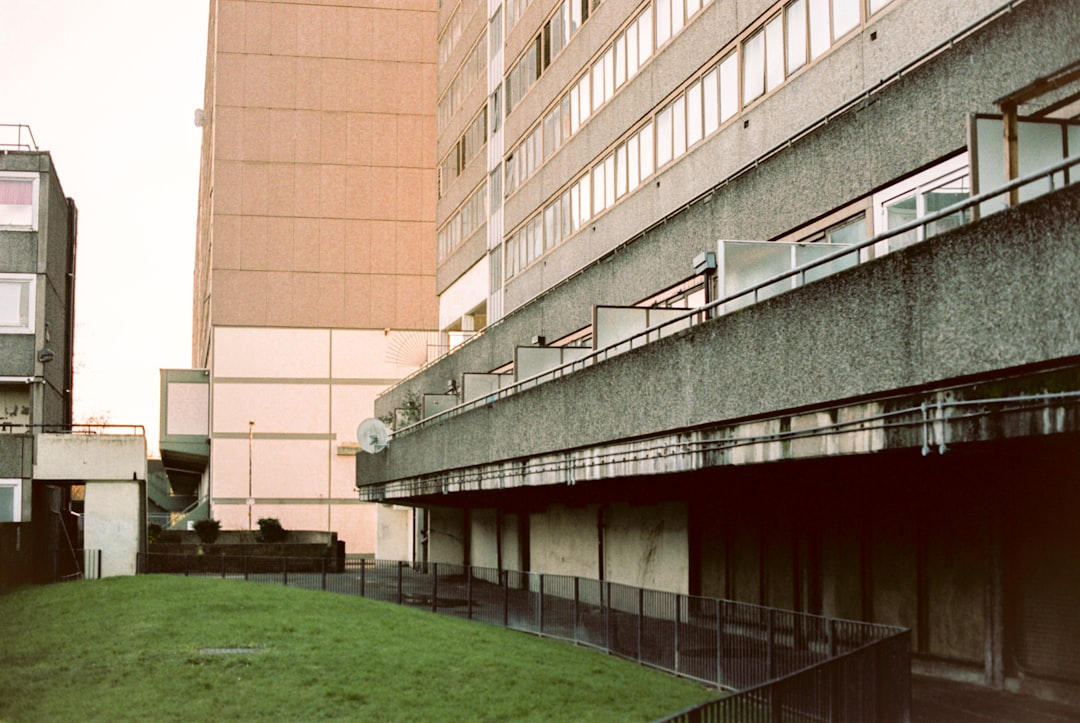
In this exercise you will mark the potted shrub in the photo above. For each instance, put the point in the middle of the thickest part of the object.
(270, 530)
(208, 530)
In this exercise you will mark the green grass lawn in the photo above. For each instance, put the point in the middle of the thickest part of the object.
(140, 648)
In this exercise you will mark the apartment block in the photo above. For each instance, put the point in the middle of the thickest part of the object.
(765, 300)
(314, 275)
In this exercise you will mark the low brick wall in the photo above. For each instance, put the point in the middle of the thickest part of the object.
(238, 551)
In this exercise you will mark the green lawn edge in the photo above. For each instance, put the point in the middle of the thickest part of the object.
(155, 646)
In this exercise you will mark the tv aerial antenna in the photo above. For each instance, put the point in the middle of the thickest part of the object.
(373, 436)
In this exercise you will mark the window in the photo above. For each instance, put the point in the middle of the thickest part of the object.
(470, 217)
(693, 114)
(17, 303)
(754, 66)
(10, 500)
(729, 86)
(495, 106)
(763, 60)
(845, 17)
(549, 42)
(932, 190)
(18, 200)
(795, 17)
(495, 32)
(663, 136)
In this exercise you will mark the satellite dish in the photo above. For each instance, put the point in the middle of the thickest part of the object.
(372, 436)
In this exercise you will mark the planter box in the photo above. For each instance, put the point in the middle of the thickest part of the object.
(238, 552)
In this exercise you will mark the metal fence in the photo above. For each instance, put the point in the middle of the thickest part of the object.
(786, 665)
(23, 564)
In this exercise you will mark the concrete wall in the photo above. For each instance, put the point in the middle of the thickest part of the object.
(908, 125)
(446, 535)
(564, 541)
(394, 539)
(484, 538)
(984, 298)
(68, 457)
(115, 523)
(647, 546)
(47, 252)
(513, 556)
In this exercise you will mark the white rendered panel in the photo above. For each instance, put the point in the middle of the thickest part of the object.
(189, 409)
(275, 408)
(264, 353)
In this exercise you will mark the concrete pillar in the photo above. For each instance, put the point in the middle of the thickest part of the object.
(114, 522)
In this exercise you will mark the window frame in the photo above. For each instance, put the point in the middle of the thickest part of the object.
(16, 484)
(35, 180)
(29, 281)
(914, 186)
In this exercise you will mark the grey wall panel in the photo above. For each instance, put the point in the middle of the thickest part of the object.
(983, 298)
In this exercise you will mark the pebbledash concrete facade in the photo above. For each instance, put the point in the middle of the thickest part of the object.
(314, 274)
(891, 438)
(72, 497)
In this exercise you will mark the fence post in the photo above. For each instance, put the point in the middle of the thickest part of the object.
(719, 642)
(400, 573)
(434, 587)
(577, 601)
(468, 592)
(324, 573)
(139, 564)
(678, 624)
(506, 597)
(540, 604)
(363, 567)
(640, 619)
(223, 566)
(834, 690)
(776, 706)
(770, 658)
(285, 571)
(606, 602)
(245, 567)
(185, 564)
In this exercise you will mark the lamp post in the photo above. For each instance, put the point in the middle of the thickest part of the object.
(251, 444)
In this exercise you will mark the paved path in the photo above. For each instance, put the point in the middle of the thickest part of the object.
(943, 701)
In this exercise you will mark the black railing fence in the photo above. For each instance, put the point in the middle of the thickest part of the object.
(779, 664)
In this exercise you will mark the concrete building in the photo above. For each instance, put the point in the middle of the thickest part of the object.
(51, 472)
(889, 435)
(314, 275)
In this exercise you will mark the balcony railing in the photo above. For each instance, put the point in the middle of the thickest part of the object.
(969, 207)
(126, 430)
(17, 137)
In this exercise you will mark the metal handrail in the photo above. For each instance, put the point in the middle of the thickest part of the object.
(18, 144)
(133, 430)
(701, 314)
(924, 415)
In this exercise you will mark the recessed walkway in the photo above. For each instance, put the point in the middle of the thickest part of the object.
(945, 701)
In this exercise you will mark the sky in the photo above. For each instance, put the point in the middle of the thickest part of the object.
(110, 88)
